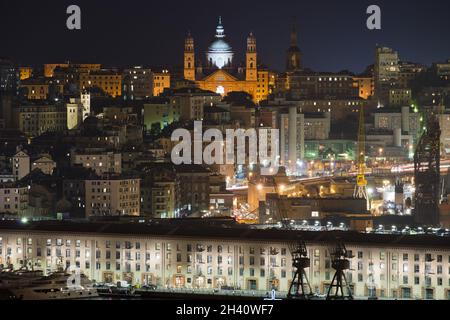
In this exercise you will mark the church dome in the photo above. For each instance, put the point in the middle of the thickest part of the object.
(219, 52)
(219, 45)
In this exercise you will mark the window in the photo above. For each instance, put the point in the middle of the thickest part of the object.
(405, 267)
(360, 277)
(405, 257)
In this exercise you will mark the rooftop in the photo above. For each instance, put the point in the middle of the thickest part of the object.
(223, 229)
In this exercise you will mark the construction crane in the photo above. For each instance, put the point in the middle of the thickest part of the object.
(361, 182)
(340, 263)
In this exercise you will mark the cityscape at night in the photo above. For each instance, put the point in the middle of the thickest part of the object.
(249, 152)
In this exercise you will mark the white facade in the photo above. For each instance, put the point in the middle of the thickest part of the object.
(20, 164)
(175, 261)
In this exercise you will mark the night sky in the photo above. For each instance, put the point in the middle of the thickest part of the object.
(332, 34)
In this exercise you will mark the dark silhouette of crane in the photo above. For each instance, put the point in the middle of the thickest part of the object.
(300, 287)
(340, 263)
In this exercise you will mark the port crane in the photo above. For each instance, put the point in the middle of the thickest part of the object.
(340, 262)
(361, 182)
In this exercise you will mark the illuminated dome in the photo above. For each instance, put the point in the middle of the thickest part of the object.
(219, 52)
(219, 45)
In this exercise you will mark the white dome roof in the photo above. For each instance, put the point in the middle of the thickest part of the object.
(219, 45)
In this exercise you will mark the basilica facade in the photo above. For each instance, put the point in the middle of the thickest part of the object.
(220, 74)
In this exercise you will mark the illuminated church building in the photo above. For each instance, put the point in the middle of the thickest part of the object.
(220, 74)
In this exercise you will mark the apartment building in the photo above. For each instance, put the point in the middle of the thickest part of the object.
(100, 160)
(112, 195)
(13, 198)
(204, 255)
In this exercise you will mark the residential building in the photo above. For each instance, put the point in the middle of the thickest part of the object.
(13, 198)
(20, 164)
(137, 83)
(112, 195)
(109, 81)
(34, 120)
(161, 82)
(100, 160)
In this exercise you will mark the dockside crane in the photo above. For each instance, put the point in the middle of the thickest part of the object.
(361, 182)
(340, 262)
(300, 287)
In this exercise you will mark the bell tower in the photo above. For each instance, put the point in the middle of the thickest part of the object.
(251, 71)
(294, 55)
(189, 58)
